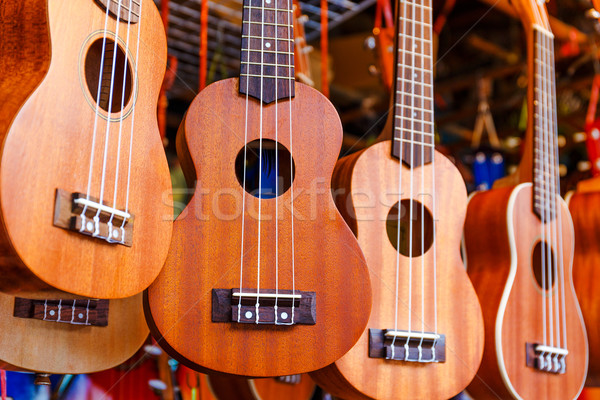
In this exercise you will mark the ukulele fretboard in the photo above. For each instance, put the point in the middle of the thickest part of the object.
(267, 59)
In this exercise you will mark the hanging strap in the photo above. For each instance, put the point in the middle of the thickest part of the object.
(3, 383)
(203, 43)
(383, 10)
(592, 128)
(442, 17)
(324, 49)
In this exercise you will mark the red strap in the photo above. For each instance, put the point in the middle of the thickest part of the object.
(3, 383)
(324, 49)
(591, 112)
(383, 9)
(440, 21)
(592, 127)
(203, 42)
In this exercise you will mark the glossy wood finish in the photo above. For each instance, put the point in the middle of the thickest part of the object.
(492, 255)
(46, 145)
(226, 387)
(206, 246)
(356, 375)
(42, 346)
(586, 222)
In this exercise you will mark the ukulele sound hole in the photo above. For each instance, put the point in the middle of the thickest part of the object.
(541, 259)
(93, 61)
(277, 172)
(421, 232)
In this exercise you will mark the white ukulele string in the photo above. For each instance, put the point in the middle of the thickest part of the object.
(276, 49)
(96, 114)
(117, 167)
(73, 311)
(537, 114)
(260, 152)
(87, 307)
(291, 72)
(45, 308)
(398, 104)
(133, 109)
(560, 254)
(248, 53)
(109, 112)
(59, 309)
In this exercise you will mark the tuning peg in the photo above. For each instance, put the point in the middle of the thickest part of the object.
(42, 379)
(373, 70)
(157, 386)
(152, 350)
(370, 43)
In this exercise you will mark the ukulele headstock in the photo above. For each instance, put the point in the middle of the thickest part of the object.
(533, 13)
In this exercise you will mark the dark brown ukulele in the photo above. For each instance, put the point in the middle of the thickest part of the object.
(519, 253)
(84, 194)
(264, 277)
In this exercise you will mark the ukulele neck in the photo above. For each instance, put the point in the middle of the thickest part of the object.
(544, 129)
(413, 136)
(267, 55)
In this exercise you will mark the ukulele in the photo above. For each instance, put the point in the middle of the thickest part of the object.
(59, 333)
(260, 282)
(583, 205)
(519, 247)
(425, 323)
(84, 175)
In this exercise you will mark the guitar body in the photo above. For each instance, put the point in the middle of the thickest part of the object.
(500, 234)
(356, 375)
(586, 223)
(47, 136)
(227, 387)
(62, 348)
(206, 246)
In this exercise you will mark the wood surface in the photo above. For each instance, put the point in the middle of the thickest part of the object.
(586, 222)
(227, 387)
(46, 145)
(42, 346)
(490, 256)
(374, 172)
(206, 247)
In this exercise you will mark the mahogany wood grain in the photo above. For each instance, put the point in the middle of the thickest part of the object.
(206, 246)
(586, 222)
(356, 375)
(46, 145)
(57, 348)
(227, 387)
(492, 256)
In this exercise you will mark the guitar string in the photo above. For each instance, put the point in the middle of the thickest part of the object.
(419, 75)
(109, 112)
(552, 186)
(559, 208)
(133, 113)
(260, 154)
(276, 36)
(249, 25)
(96, 114)
(291, 72)
(118, 162)
(539, 171)
(400, 70)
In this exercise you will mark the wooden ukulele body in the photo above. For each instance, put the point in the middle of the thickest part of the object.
(501, 231)
(370, 178)
(583, 205)
(47, 125)
(207, 237)
(228, 387)
(63, 348)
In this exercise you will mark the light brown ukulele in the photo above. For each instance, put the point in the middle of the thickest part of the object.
(406, 204)
(519, 252)
(263, 278)
(84, 194)
(58, 333)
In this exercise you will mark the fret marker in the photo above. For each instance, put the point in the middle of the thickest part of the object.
(267, 45)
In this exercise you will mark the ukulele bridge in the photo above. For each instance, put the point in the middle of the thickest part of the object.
(422, 347)
(75, 312)
(546, 358)
(267, 306)
(87, 215)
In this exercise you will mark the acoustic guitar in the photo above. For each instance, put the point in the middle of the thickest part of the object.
(260, 282)
(406, 204)
(84, 198)
(583, 205)
(519, 250)
(59, 333)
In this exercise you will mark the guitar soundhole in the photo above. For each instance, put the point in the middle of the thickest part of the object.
(421, 232)
(93, 62)
(277, 172)
(542, 259)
